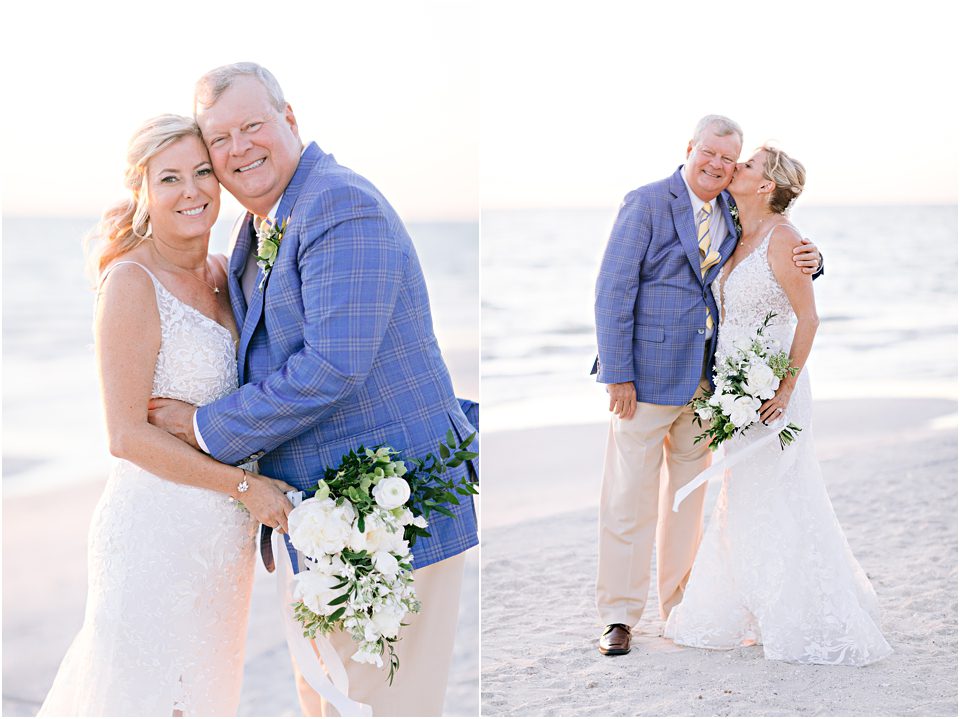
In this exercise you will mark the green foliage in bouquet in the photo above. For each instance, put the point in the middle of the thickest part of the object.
(360, 469)
(731, 407)
(368, 513)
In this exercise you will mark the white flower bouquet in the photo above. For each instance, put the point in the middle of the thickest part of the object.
(356, 534)
(742, 381)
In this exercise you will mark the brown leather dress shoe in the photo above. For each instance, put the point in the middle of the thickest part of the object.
(615, 640)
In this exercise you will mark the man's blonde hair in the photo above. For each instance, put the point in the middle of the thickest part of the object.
(213, 84)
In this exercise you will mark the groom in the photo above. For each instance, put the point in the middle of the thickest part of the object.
(656, 332)
(336, 350)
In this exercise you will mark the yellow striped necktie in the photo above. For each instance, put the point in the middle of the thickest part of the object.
(708, 258)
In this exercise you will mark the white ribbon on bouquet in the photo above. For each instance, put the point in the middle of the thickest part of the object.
(332, 684)
(729, 460)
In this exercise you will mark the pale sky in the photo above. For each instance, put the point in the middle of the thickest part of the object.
(389, 88)
(582, 106)
(517, 103)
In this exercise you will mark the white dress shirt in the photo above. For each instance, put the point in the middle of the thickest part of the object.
(718, 225)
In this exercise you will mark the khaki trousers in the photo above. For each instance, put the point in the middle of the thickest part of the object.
(636, 506)
(425, 649)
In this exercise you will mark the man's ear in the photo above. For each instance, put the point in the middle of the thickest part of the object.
(291, 120)
(689, 148)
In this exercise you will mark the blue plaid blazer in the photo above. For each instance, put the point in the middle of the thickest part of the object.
(337, 349)
(651, 303)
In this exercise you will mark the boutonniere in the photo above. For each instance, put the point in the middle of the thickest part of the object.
(735, 213)
(269, 236)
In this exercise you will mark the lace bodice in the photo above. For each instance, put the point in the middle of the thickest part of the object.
(746, 293)
(189, 369)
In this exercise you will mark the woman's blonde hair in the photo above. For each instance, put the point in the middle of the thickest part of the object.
(787, 174)
(126, 224)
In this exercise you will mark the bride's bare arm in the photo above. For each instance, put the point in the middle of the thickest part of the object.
(127, 331)
(798, 286)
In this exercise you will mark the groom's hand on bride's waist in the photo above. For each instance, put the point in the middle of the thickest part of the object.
(623, 399)
(173, 416)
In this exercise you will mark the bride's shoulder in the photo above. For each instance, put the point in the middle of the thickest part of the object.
(126, 270)
(784, 239)
(126, 281)
(785, 233)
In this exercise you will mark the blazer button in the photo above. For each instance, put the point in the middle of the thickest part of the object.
(700, 331)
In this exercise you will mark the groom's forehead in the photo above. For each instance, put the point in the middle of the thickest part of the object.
(720, 143)
(217, 118)
(240, 103)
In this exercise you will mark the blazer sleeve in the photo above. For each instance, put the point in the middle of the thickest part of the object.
(351, 273)
(618, 288)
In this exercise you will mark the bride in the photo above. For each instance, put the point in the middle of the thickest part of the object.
(774, 567)
(171, 550)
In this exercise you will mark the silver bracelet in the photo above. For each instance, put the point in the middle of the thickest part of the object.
(243, 485)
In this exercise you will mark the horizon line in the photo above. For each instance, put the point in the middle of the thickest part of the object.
(819, 204)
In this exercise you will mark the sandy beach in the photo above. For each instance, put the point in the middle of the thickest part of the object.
(891, 470)
(44, 589)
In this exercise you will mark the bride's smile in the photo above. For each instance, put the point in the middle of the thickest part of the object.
(183, 191)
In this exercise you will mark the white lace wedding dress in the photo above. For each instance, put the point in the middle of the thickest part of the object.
(774, 567)
(170, 567)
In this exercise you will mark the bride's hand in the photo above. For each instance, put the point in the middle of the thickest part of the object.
(773, 408)
(267, 501)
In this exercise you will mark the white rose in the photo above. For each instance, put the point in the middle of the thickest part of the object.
(320, 526)
(391, 492)
(744, 411)
(368, 655)
(374, 537)
(397, 544)
(705, 413)
(316, 590)
(386, 622)
(726, 403)
(328, 564)
(761, 381)
(386, 564)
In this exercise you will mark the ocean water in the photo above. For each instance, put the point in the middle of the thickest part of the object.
(53, 429)
(887, 304)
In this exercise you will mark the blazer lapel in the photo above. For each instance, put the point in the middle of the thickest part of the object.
(241, 242)
(724, 200)
(250, 322)
(683, 221)
(729, 243)
(254, 311)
